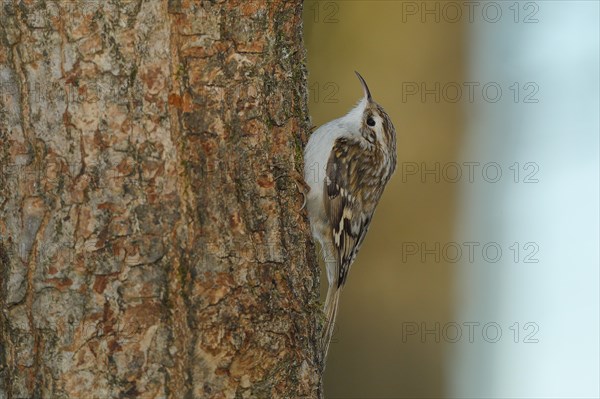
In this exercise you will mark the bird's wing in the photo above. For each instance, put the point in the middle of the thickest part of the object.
(348, 218)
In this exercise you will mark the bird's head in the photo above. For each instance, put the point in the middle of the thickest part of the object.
(371, 121)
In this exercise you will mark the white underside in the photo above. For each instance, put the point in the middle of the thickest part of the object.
(316, 156)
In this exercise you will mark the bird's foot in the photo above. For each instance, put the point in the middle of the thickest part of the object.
(302, 186)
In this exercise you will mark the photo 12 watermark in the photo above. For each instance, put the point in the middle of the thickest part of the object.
(469, 252)
(490, 12)
(469, 172)
(470, 92)
(453, 332)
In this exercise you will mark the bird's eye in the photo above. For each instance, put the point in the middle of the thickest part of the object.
(370, 121)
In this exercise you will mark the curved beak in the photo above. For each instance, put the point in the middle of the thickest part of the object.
(364, 86)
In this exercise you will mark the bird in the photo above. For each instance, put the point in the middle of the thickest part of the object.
(347, 164)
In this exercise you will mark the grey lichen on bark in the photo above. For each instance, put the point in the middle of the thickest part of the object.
(151, 243)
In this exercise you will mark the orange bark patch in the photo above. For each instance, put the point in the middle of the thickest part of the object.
(175, 100)
(265, 181)
(60, 283)
(183, 103)
(140, 317)
(86, 222)
(114, 346)
(153, 78)
(100, 283)
(212, 288)
(194, 47)
(188, 104)
(109, 206)
(125, 167)
(210, 147)
(250, 8)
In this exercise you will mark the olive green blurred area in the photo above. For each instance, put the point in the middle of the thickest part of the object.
(368, 357)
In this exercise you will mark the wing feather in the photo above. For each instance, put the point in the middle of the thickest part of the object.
(348, 216)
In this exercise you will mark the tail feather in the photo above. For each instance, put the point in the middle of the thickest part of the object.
(330, 310)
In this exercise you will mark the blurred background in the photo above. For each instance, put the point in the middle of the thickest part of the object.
(479, 277)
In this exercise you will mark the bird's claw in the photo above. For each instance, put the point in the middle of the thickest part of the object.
(303, 188)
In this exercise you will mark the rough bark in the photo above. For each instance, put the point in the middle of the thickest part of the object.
(150, 240)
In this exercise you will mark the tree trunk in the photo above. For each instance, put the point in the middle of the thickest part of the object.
(151, 243)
